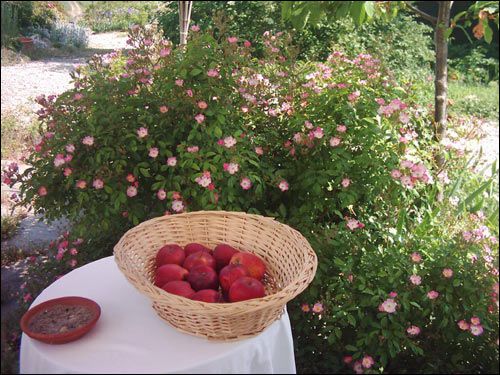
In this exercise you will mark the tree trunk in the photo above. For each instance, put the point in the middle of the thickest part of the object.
(184, 18)
(441, 72)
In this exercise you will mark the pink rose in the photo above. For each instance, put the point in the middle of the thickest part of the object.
(42, 191)
(447, 272)
(98, 183)
(463, 325)
(193, 149)
(199, 118)
(153, 152)
(232, 39)
(161, 194)
(202, 104)
(367, 361)
(70, 148)
(88, 140)
(179, 82)
(413, 330)
(172, 161)
(81, 184)
(345, 182)
(142, 132)
(67, 171)
(476, 329)
(195, 28)
(318, 308)
(213, 73)
(433, 294)
(389, 306)
(259, 150)
(475, 320)
(229, 142)
(416, 257)
(163, 109)
(165, 52)
(415, 279)
(334, 141)
(341, 128)
(283, 185)
(131, 191)
(245, 183)
(177, 206)
(247, 44)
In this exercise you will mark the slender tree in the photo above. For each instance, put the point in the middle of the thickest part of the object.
(184, 19)
(302, 12)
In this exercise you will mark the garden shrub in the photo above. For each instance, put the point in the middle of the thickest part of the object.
(69, 35)
(103, 16)
(404, 44)
(336, 149)
(472, 63)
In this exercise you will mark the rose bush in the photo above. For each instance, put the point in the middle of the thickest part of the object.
(336, 149)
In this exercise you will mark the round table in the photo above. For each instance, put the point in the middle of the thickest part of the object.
(130, 337)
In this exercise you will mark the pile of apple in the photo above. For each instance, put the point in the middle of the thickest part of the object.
(196, 272)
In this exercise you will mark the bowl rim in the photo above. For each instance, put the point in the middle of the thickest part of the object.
(61, 337)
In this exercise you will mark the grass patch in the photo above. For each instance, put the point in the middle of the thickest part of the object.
(16, 137)
(474, 99)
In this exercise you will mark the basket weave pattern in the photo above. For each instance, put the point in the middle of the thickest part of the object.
(291, 266)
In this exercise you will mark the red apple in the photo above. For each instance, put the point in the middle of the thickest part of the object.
(180, 288)
(170, 272)
(201, 258)
(170, 254)
(230, 274)
(255, 266)
(203, 277)
(208, 295)
(194, 247)
(222, 255)
(246, 288)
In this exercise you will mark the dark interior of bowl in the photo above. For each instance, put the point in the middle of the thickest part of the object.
(61, 320)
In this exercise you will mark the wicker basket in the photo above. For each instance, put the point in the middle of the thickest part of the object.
(291, 266)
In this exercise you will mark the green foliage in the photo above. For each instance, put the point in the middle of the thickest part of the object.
(471, 64)
(300, 13)
(337, 149)
(9, 21)
(246, 19)
(103, 16)
(403, 44)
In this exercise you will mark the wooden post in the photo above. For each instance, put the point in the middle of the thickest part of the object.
(184, 19)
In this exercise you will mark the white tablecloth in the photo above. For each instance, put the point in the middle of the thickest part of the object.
(130, 337)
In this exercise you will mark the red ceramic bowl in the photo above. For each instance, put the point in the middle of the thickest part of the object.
(61, 338)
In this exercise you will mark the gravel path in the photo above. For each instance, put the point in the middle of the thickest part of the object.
(22, 83)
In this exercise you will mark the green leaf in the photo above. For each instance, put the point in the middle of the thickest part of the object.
(195, 72)
(351, 320)
(357, 12)
(370, 8)
(218, 132)
(416, 305)
(145, 172)
(488, 33)
(351, 348)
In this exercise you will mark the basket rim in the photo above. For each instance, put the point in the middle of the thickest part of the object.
(282, 296)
